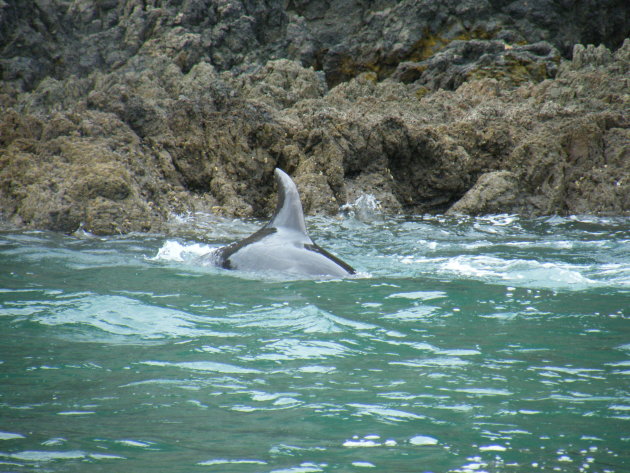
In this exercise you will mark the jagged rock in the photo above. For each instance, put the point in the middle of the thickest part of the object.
(461, 61)
(59, 38)
(382, 35)
(179, 106)
(590, 55)
(494, 192)
(281, 83)
(63, 174)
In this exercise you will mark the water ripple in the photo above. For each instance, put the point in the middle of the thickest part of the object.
(478, 344)
(119, 315)
(293, 349)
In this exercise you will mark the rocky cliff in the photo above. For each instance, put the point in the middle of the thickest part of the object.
(117, 113)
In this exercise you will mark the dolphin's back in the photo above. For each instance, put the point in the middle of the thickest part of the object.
(283, 244)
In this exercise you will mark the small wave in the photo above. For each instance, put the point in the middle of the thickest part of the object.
(423, 440)
(48, 456)
(365, 208)
(421, 295)
(317, 369)
(175, 251)
(418, 313)
(496, 224)
(615, 273)
(292, 349)
(135, 443)
(529, 273)
(10, 436)
(124, 316)
(263, 401)
(223, 461)
(187, 384)
(211, 366)
(368, 441)
(209, 227)
(306, 319)
(306, 467)
(501, 220)
(442, 361)
(384, 413)
(485, 391)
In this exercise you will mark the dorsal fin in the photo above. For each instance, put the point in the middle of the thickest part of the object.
(288, 212)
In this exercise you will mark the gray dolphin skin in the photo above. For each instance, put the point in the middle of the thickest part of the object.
(283, 245)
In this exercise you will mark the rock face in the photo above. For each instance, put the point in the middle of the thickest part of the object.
(492, 193)
(117, 113)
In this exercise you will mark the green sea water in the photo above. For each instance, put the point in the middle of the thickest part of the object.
(494, 344)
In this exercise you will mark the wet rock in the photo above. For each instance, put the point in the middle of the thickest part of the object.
(52, 177)
(494, 192)
(188, 106)
(376, 185)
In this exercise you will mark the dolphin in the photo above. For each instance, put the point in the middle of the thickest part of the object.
(282, 245)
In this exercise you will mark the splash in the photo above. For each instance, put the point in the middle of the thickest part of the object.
(365, 208)
(181, 252)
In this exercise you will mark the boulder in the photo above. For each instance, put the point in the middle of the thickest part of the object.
(494, 192)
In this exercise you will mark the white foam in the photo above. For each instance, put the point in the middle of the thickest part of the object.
(134, 443)
(361, 443)
(492, 448)
(422, 440)
(421, 295)
(317, 369)
(365, 208)
(520, 272)
(175, 251)
(46, 456)
(105, 456)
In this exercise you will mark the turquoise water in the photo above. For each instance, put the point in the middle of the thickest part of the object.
(494, 344)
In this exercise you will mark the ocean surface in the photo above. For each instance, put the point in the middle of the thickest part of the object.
(492, 344)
